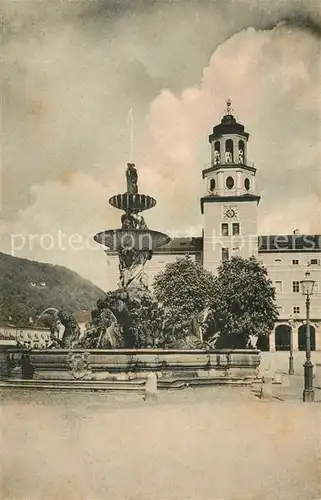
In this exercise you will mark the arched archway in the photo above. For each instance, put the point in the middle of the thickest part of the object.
(302, 337)
(282, 338)
(212, 185)
(229, 152)
(217, 152)
(241, 152)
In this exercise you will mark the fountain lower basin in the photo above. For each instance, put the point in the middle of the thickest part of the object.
(173, 367)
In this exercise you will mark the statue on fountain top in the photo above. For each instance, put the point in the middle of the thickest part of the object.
(132, 178)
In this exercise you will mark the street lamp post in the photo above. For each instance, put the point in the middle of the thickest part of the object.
(307, 285)
(291, 367)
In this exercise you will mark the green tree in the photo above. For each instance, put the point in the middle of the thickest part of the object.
(184, 288)
(244, 302)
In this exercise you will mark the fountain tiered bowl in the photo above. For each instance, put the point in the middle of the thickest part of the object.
(132, 238)
(132, 203)
(139, 239)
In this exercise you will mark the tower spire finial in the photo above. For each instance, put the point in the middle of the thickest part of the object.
(228, 106)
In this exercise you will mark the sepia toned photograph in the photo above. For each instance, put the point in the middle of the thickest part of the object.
(160, 250)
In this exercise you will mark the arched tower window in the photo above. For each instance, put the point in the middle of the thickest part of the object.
(217, 152)
(230, 182)
(241, 154)
(212, 185)
(229, 151)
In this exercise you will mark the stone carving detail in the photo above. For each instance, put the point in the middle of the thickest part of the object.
(72, 330)
(131, 176)
(241, 156)
(228, 157)
(103, 332)
(131, 265)
(79, 365)
(217, 157)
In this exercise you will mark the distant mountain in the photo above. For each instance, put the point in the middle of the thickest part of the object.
(28, 287)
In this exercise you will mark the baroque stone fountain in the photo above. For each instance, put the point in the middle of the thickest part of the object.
(113, 324)
(114, 348)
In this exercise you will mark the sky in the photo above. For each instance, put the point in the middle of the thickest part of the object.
(72, 70)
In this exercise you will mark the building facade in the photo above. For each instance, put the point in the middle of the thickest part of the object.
(229, 205)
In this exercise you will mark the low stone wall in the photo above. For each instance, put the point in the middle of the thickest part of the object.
(170, 366)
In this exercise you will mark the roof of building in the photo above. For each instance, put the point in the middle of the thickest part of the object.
(290, 243)
(182, 245)
(26, 326)
(228, 125)
(267, 243)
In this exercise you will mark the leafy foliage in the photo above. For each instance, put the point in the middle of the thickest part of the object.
(28, 287)
(241, 299)
(184, 289)
(244, 302)
(149, 318)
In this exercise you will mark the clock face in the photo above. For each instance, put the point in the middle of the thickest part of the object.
(230, 212)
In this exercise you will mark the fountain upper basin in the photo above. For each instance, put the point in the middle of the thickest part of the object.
(133, 203)
(138, 239)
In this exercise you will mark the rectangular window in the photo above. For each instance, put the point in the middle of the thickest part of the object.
(295, 286)
(224, 229)
(278, 286)
(236, 228)
(295, 262)
(278, 261)
(314, 262)
(296, 310)
(225, 254)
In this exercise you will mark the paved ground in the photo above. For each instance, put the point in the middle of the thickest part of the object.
(198, 444)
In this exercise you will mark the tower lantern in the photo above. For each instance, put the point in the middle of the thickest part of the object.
(229, 140)
(229, 172)
(229, 204)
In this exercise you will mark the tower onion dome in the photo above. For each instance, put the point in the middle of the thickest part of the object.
(228, 125)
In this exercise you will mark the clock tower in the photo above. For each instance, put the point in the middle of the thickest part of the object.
(229, 204)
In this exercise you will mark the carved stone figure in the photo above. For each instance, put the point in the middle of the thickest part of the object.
(132, 178)
(110, 333)
(241, 156)
(228, 157)
(217, 157)
(72, 330)
(131, 265)
(133, 221)
(128, 221)
(103, 333)
(140, 222)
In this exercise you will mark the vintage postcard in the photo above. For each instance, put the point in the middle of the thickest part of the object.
(160, 250)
